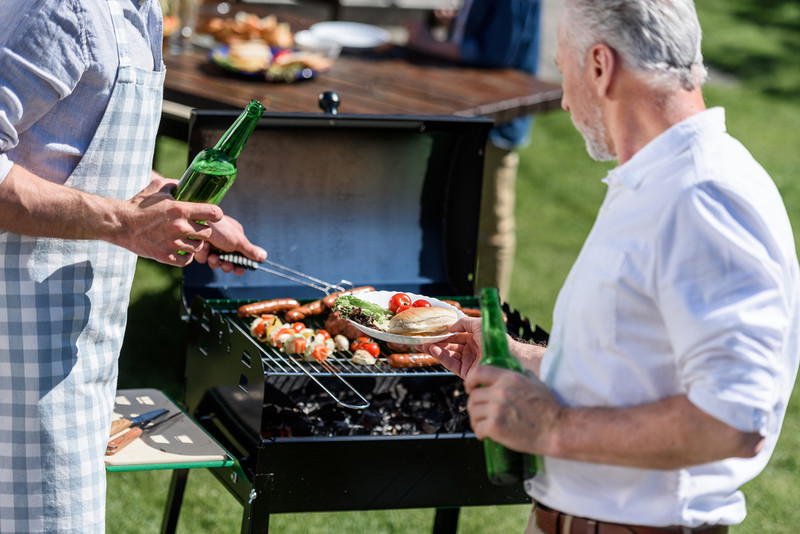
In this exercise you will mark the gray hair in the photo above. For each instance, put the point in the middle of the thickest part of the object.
(660, 38)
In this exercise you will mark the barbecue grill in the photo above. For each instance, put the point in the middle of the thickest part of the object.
(390, 202)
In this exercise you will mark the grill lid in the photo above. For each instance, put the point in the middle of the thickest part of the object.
(387, 201)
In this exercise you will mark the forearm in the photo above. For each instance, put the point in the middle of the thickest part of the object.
(529, 354)
(33, 206)
(668, 434)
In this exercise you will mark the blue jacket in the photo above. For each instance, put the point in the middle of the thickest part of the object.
(504, 34)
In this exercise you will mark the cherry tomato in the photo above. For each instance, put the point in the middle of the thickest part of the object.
(402, 308)
(319, 352)
(373, 349)
(397, 300)
(421, 303)
(354, 346)
(298, 326)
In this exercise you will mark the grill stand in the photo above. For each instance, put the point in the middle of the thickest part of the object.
(255, 518)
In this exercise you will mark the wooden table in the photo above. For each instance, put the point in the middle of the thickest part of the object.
(393, 81)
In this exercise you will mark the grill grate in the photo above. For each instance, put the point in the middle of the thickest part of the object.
(276, 362)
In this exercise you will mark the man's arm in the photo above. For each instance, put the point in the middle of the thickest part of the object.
(521, 413)
(151, 223)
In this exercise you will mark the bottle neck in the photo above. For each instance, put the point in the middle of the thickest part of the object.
(495, 344)
(233, 141)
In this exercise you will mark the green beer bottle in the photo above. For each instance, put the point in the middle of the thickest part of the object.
(503, 466)
(213, 170)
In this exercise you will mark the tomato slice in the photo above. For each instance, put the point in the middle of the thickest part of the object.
(421, 303)
(319, 352)
(373, 349)
(324, 335)
(297, 327)
(397, 300)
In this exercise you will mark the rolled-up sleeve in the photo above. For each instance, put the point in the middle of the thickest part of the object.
(723, 299)
(43, 56)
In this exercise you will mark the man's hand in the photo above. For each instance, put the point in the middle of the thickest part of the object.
(155, 225)
(511, 408)
(461, 352)
(228, 235)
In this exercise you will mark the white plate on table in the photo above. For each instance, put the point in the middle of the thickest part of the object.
(381, 298)
(352, 34)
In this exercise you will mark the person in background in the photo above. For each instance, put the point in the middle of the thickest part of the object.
(494, 34)
(674, 346)
(80, 100)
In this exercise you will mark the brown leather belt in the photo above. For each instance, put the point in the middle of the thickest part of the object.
(552, 521)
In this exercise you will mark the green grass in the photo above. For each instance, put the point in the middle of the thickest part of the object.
(754, 43)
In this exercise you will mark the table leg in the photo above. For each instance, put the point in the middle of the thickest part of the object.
(446, 521)
(177, 486)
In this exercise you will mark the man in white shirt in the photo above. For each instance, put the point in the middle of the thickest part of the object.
(674, 346)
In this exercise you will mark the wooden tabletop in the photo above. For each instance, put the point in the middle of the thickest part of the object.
(392, 82)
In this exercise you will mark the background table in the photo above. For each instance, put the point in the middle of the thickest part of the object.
(391, 81)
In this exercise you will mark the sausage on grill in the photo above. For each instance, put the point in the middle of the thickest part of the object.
(266, 306)
(411, 359)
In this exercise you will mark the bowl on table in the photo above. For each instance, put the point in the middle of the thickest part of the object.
(308, 41)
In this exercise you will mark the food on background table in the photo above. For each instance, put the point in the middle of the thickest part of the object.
(422, 321)
(250, 55)
(413, 359)
(245, 26)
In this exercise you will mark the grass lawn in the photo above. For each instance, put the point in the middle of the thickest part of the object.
(753, 46)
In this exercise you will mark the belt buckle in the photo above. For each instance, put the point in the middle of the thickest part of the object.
(566, 526)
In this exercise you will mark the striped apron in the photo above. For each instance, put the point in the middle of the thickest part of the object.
(63, 307)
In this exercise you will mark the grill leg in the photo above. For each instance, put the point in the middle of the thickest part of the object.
(177, 486)
(446, 521)
(255, 519)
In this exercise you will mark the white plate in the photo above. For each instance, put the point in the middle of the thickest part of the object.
(381, 298)
(352, 34)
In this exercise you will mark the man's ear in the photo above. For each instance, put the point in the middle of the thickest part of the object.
(601, 62)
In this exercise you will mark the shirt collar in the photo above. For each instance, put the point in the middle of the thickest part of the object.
(673, 140)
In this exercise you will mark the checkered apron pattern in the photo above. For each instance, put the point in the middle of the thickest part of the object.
(63, 307)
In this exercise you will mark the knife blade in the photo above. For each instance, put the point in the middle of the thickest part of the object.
(119, 443)
(119, 425)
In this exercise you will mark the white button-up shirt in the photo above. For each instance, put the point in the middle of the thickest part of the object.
(687, 284)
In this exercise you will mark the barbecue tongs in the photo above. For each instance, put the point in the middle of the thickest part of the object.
(284, 272)
(308, 280)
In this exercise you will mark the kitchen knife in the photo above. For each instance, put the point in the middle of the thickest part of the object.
(119, 443)
(119, 425)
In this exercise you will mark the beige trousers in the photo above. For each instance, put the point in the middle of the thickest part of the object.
(497, 232)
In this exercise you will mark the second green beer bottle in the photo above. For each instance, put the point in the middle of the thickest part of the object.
(503, 466)
(213, 170)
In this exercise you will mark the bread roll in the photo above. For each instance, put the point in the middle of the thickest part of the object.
(422, 321)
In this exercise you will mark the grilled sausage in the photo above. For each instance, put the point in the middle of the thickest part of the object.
(266, 306)
(330, 299)
(412, 359)
(298, 313)
(471, 312)
(453, 303)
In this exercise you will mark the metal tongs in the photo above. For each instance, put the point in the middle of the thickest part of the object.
(307, 280)
(284, 272)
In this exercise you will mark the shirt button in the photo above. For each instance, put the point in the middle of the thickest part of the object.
(142, 3)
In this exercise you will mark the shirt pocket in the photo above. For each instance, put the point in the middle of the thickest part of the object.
(594, 304)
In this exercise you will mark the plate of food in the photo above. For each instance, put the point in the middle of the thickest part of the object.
(399, 317)
(353, 35)
(256, 60)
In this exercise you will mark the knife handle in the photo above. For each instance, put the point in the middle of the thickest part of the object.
(118, 425)
(117, 444)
